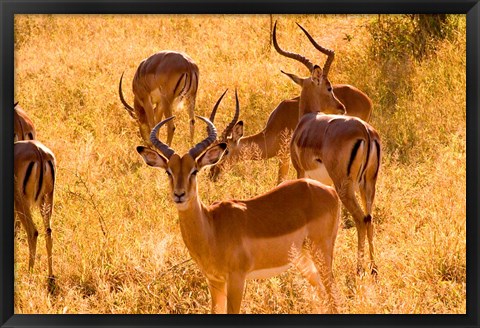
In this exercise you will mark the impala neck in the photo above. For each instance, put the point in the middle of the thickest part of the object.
(194, 227)
(308, 105)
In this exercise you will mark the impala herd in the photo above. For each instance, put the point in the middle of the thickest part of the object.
(333, 149)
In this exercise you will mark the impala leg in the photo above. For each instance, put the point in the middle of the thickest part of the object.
(170, 124)
(346, 192)
(367, 201)
(361, 234)
(46, 211)
(47, 221)
(25, 215)
(190, 104)
(142, 121)
(150, 114)
(235, 286)
(373, 265)
(368, 194)
(317, 274)
(323, 258)
(367, 191)
(218, 292)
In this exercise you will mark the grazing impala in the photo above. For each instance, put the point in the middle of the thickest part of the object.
(336, 149)
(160, 83)
(34, 176)
(235, 240)
(270, 142)
(23, 128)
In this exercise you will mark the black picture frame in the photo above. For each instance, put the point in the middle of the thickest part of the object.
(9, 8)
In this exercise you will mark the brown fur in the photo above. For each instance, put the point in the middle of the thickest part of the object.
(284, 119)
(23, 128)
(34, 172)
(350, 151)
(160, 82)
(231, 240)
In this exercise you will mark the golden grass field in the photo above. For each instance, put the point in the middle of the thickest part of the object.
(117, 242)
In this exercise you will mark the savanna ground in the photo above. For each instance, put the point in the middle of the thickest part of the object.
(117, 243)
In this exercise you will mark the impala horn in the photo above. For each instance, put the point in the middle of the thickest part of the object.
(164, 149)
(214, 111)
(330, 53)
(291, 55)
(201, 146)
(230, 126)
(129, 108)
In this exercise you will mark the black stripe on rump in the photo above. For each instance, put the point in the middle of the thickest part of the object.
(353, 154)
(28, 173)
(362, 174)
(178, 83)
(378, 158)
(40, 181)
(52, 168)
(196, 81)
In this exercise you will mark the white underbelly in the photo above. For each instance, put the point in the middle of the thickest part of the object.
(319, 174)
(267, 273)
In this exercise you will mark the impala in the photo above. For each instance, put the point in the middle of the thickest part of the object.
(336, 149)
(23, 128)
(160, 84)
(235, 240)
(271, 141)
(34, 176)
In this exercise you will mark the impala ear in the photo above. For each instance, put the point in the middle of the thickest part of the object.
(296, 79)
(152, 158)
(317, 73)
(212, 155)
(237, 131)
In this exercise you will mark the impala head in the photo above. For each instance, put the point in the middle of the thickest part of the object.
(182, 170)
(230, 136)
(317, 92)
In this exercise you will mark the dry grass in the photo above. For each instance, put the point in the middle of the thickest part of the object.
(117, 244)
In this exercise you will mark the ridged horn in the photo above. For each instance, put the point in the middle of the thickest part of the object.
(164, 149)
(330, 53)
(214, 111)
(291, 55)
(129, 108)
(212, 136)
(230, 126)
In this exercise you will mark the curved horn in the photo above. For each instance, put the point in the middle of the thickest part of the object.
(291, 55)
(330, 53)
(230, 126)
(214, 111)
(164, 149)
(129, 108)
(212, 136)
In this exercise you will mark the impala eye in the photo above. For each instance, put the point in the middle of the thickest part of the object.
(168, 173)
(329, 89)
(194, 172)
